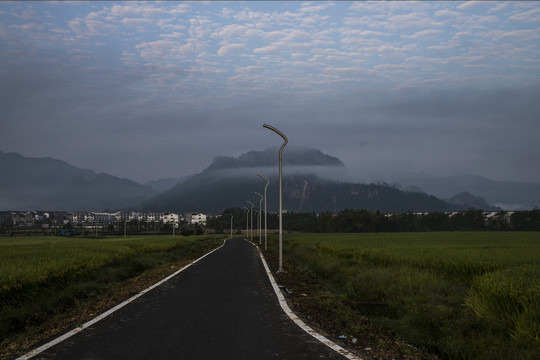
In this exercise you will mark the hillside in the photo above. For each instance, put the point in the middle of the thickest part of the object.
(231, 182)
(313, 181)
(103, 192)
(25, 180)
(509, 195)
(212, 193)
(45, 183)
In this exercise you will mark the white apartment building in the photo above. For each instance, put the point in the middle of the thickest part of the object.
(195, 218)
(171, 218)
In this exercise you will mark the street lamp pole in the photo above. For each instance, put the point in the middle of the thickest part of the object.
(285, 141)
(231, 224)
(251, 220)
(260, 215)
(247, 222)
(265, 213)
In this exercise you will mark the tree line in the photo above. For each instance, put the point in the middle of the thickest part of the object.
(350, 220)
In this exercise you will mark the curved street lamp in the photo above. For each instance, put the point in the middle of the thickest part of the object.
(285, 141)
(247, 222)
(251, 220)
(265, 213)
(258, 218)
(231, 224)
(260, 215)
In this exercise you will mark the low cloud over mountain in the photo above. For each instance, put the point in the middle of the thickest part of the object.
(312, 181)
(295, 156)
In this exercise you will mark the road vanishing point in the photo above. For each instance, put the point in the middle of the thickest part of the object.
(225, 306)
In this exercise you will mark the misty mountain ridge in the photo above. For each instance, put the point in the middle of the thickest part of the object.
(165, 184)
(312, 181)
(38, 175)
(101, 192)
(293, 156)
(508, 195)
(469, 200)
(50, 184)
(211, 192)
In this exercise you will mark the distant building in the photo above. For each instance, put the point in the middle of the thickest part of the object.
(171, 218)
(195, 218)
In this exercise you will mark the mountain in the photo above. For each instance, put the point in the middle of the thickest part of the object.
(162, 185)
(296, 156)
(507, 195)
(469, 200)
(313, 181)
(24, 180)
(212, 193)
(99, 193)
(45, 183)
(231, 182)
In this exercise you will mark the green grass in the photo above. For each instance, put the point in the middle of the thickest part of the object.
(462, 295)
(44, 276)
(33, 260)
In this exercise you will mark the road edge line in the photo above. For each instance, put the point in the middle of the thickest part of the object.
(285, 307)
(102, 316)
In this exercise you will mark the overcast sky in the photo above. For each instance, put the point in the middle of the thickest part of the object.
(148, 90)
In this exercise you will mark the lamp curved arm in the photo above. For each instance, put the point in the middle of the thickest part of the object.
(279, 133)
(265, 178)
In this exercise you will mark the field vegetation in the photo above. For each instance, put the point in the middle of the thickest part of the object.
(44, 277)
(459, 295)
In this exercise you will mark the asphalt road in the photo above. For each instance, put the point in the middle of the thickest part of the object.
(222, 307)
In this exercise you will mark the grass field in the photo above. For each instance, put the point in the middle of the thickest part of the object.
(461, 295)
(42, 277)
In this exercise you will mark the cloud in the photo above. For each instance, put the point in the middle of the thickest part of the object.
(311, 7)
(250, 69)
(163, 50)
(87, 27)
(143, 10)
(410, 21)
(470, 4)
(231, 49)
(360, 33)
(448, 13)
(298, 35)
(29, 27)
(464, 59)
(179, 9)
(232, 31)
(532, 15)
(270, 49)
(426, 34)
(525, 35)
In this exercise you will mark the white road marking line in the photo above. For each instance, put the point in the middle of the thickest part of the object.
(108, 312)
(298, 321)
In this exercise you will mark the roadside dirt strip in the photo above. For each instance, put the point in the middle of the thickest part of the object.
(221, 306)
(299, 322)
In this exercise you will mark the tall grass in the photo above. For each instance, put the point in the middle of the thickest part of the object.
(462, 295)
(509, 300)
